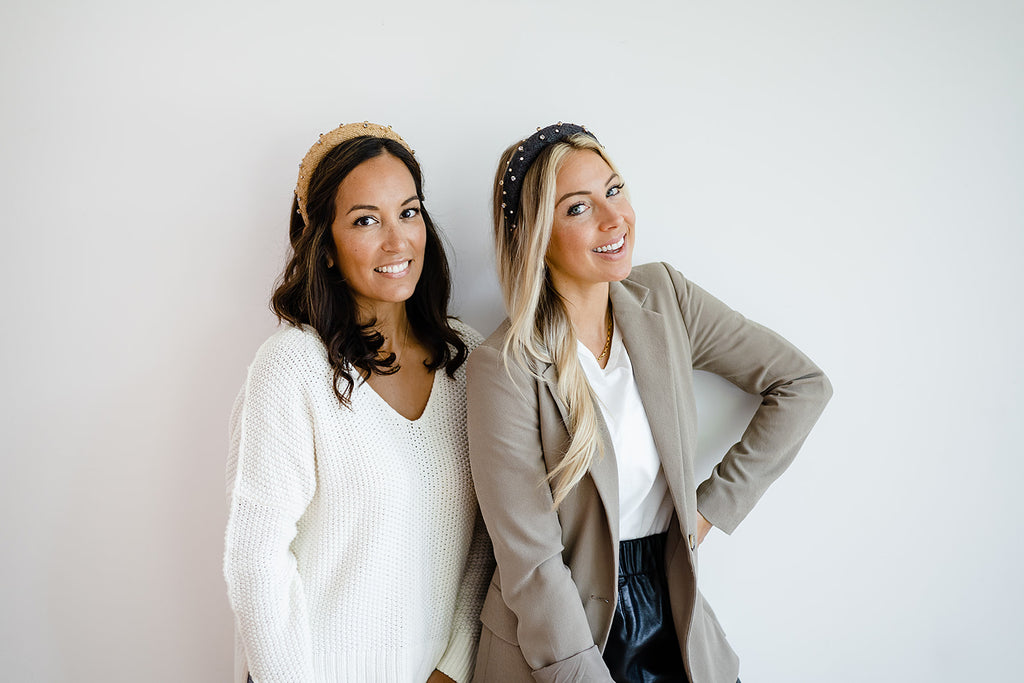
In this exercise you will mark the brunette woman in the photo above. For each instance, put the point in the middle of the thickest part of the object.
(354, 549)
(582, 428)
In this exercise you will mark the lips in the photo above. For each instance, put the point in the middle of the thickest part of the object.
(614, 246)
(394, 268)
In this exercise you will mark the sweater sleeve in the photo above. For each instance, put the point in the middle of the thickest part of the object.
(460, 655)
(793, 390)
(271, 480)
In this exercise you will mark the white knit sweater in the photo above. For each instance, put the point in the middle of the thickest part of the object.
(354, 550)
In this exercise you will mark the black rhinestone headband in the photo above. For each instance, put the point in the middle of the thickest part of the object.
(526, 153)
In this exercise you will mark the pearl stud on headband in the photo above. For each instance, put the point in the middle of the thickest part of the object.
(327, 142)
(525, 154)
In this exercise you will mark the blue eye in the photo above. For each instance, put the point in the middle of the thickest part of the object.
(614, 190)
(576, 209)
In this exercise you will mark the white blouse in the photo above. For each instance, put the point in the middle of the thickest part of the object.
(645, 506)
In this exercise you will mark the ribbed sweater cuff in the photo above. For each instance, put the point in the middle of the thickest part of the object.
(458, 660)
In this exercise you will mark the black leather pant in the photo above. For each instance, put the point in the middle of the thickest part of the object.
(643, 646)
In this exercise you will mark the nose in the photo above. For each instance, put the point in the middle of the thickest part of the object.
(612, 215)
(395, 237)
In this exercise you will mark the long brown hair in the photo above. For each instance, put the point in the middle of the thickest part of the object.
(309, 292)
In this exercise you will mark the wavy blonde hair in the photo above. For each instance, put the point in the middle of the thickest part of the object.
(540, 330)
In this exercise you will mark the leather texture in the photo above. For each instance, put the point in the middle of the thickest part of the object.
(642, 645)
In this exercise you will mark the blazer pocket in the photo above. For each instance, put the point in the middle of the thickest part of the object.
(711, 656)
(498, 618)
(711, 618)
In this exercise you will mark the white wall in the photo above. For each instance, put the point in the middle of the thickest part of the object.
(849, 174)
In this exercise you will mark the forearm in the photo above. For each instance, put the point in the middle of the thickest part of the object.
(457, 661)
(768, 446)
(510, 478)
(267, 595)
(794, 392)
(271, 482)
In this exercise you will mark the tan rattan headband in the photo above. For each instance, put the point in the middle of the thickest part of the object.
(329, 141)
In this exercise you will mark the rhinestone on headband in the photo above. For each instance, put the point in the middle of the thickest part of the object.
(524, 156)
(327, 142)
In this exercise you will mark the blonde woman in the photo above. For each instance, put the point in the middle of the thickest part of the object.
(582, 426)
(354, 550)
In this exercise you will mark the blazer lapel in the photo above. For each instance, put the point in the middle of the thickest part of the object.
(603, 470)
(643, 333)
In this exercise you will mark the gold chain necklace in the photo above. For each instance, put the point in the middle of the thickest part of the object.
(607, 341)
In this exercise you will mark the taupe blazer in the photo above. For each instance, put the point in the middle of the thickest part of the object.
(550, 605)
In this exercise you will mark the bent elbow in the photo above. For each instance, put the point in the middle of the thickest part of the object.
(826, 388)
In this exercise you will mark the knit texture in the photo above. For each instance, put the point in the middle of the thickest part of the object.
(354, 549)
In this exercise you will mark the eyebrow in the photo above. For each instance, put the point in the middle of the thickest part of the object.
(371, 207)
(571, 194)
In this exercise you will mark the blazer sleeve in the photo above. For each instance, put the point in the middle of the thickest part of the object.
(793, 393)
(516, 502)
(271, 477)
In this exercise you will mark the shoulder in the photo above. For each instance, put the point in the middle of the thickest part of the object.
(279, 395)
(497, 338)
(470, 337)
(291, 342)
(488, 354)
(656, 286)
(487, 364)
(289, 354)
(655, 276)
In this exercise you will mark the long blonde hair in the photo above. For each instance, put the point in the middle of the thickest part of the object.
(540, 330)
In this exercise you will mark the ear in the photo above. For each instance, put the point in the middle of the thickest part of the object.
(330, 261)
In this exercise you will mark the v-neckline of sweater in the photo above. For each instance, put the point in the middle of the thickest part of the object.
(426, 407)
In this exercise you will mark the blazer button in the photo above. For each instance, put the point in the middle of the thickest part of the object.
(693, 542)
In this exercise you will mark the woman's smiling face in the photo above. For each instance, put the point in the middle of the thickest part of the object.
(379, 233)
(592, 236)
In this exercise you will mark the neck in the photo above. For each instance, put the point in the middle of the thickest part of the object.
(588, 310)
(391, 321)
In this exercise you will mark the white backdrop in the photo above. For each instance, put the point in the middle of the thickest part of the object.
(848, 173)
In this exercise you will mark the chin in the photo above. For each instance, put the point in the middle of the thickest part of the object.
(620, 276)
(622, 270)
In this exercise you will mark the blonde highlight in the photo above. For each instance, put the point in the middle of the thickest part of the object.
(540, 330)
